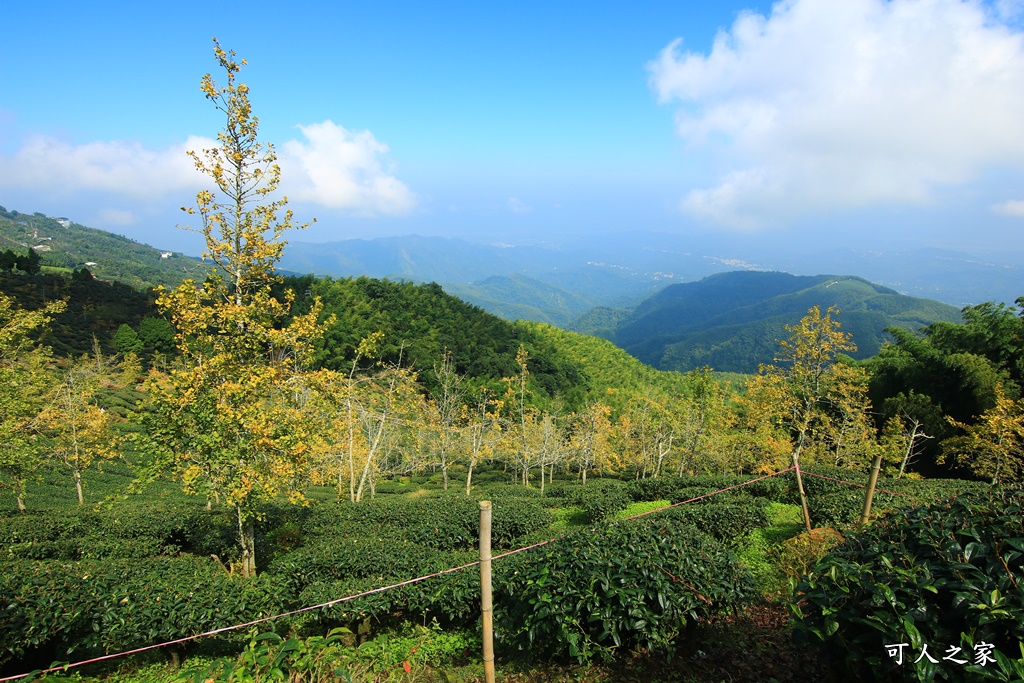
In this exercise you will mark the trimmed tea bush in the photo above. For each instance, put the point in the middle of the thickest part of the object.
(55, 609)
(728, 519)
(633, 584)
(943, 575)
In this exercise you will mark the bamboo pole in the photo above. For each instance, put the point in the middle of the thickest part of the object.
(486, 605)
(869, 494)
(803, 496)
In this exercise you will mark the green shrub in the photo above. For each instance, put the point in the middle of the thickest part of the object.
(779, 488)
(842, 510)
(943, 575)
(602, 498)
(819, 486)
(129, 530)
(655, 489)
(332, 658)
(728, 519)
(632, 584)
(391, 487)
(689, 493)
(453, 597)
(569, 492)
(55, 609)
(445, 521)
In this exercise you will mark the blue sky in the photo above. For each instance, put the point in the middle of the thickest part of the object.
(853, 121)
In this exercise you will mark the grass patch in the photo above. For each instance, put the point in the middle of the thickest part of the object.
(760, 550)
(567, 518)
(784, 522)
(641, 507)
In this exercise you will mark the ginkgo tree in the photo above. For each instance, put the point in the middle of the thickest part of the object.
(229, 422)
(77, 429)
(993, 447)
(24, 383)
(807, 392)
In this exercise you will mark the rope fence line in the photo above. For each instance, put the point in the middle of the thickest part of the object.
(850, 483)
(338, 601)
(708, 495)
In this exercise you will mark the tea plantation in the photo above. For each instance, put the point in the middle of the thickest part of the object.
(77, 583)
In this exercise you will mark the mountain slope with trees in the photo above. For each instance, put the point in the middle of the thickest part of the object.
(104, 254)
(730, 321)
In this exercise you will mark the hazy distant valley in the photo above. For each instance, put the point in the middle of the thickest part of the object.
(557, 283)
(672, 302)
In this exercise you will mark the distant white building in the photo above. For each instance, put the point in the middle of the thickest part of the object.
(90, 263)
(166, 254)
(64, 222)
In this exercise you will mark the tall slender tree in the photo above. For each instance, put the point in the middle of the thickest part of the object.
(229, 424)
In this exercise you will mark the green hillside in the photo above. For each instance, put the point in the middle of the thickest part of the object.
(731, 321)
(94, 308)
(613, 375)
(106, 255)
(520, 297)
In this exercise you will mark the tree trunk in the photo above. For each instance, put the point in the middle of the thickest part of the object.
(21, 503)
(78, 486)
(800, 487)
(247, 539)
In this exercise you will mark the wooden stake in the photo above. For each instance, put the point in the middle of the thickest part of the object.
(869, 494)
(803, 496)
(486, 606)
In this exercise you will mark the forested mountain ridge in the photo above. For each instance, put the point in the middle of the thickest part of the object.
(108, 256)
(618, 270)
(420, 324)
(731, 321)
(519, 297)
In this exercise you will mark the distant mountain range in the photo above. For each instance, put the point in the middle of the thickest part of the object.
(733, 321)
(674, 302)
(557, 283)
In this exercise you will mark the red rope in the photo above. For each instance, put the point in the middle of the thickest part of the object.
(245, 625)
(862, 486)
(708, 495)
(350, 597)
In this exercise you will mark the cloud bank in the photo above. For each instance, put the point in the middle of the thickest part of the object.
(332, 168)
(126, 169)
(828, 105)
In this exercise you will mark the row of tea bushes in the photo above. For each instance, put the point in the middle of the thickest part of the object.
(632, 584)
(58, 610)
(944, 575)
(128, 530)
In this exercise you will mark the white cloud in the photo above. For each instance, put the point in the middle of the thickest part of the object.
(333, 167)
(826, 105)
(120, 217)
(342, 169)
(126, 169)
(518, 206)
(1013, 207)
